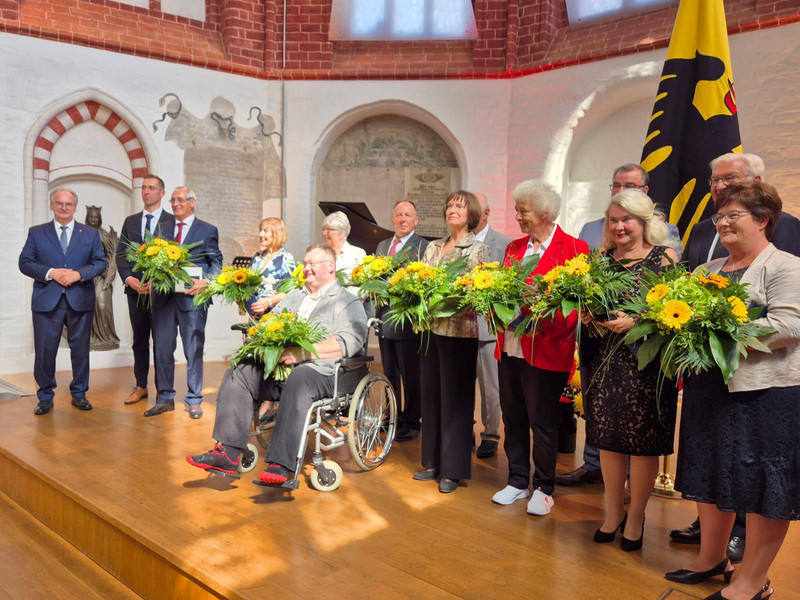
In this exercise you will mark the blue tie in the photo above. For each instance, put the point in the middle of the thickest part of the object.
(148, 220)
(64, 239)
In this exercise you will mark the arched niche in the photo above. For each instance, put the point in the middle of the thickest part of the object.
(384, 152)
(606, 130)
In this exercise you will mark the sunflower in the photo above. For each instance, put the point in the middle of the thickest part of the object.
(251, 332)
(675, 313)
(463, 281)
(379, 265)
(152, 251)
(398, 275)
(275, 325)
(656, 293)
(483, 280)
(367, 259)
(142, 248)
(173, 252)
(414, 266)
(224, 278)
(427, 272)
(577, 265)
(267, 317)
(239, 277)
(738, 309)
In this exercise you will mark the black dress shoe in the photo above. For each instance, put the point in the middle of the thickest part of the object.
(157, 409)
(426, 475)
(735, 550)
(605, 537)
(487, 449)
(763, 594)
(405, 433)
(81, 403)
(446, 486)
(579, 476)
(43, 407)
(629, 545)
(692, 577)
(687, 535)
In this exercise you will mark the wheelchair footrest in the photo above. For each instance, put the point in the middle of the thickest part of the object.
(221, 474)
(289, 484)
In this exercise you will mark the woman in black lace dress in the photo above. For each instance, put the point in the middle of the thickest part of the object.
(739, 447)
(629, 413)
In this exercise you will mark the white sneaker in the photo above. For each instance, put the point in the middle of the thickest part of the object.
(540, 503)
(509, 495)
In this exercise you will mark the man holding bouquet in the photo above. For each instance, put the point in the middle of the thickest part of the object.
(322, 301)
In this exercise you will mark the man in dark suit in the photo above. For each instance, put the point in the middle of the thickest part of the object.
(177, 311)
(400, 345)
(487, 363)
(158, 222)
(62, 257)
(703, 246)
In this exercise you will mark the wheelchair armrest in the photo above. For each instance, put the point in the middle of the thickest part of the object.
(241, 327)
(355, 361)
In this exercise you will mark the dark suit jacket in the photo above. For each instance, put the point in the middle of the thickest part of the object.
(497, 242)
(42, 252)
(416, 248)
(132, 232)
(786, 238)
(207, 256)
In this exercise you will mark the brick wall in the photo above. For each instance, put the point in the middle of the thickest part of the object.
(246, 36)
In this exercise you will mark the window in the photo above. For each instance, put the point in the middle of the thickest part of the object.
(588, 11)
(402, 20)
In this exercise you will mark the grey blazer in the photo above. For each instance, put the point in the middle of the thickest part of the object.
(774, 279)
(341, 314)
(497, 243)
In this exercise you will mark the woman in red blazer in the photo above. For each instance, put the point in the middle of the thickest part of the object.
(534, 368)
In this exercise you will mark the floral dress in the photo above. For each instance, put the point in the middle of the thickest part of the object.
(272, 271)
(627, 410)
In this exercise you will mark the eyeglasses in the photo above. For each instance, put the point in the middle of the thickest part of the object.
(731, 217)
(615, 187)
(314, 263)
(727, 180)
(180, 200)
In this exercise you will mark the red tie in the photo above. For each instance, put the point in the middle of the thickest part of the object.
(393, 249)
(179, 237)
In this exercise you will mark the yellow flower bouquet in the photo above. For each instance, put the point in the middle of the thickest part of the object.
(161, 262)
(496, 291)
(693, 322)
(267, 337)
(413, 290)
(295, 281)
(373, 274)
(234, 284)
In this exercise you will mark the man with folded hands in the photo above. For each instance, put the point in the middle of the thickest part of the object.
(243, 388)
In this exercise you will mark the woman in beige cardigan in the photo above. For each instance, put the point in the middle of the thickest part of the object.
(739, 446)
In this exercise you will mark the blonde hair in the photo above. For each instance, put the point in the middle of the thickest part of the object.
(639, 205)
(278, 230)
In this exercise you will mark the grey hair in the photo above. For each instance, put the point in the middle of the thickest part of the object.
(338, 221)
(627, 168)
(190, 195)
(542, 197)
(639, 204)
(63, 189)
(753, 165)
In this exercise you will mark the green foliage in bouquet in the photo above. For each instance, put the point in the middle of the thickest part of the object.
(161, 262)
(234, 284)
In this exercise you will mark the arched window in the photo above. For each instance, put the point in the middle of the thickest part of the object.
(581, 12)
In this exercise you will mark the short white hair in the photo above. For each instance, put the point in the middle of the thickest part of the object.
(753, 165)
(542, 197)
(338, 221)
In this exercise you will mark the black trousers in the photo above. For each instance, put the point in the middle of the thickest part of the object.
(529, 399)
(401, 362)
(448, 404)
(142, 326)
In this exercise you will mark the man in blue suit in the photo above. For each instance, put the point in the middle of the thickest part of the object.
(153, 219)
(62, 257)
(177, 311)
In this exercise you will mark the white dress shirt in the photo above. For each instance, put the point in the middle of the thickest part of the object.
(154, 223)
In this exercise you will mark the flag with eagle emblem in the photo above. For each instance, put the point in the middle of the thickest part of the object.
(694, 116)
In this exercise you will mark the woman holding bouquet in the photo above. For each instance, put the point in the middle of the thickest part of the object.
(273, 262)
(448, 369)
(739, 448)
(535, 368)
(629, 413)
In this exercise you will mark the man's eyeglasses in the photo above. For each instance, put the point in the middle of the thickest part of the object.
(314, 263)
(615, 187)
(731, 217)
(727, 180)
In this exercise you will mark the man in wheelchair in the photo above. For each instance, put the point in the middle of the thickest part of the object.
(341, 313)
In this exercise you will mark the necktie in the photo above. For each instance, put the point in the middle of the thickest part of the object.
(148, 221)
(393, 249)
(179, 237)
(64, 239)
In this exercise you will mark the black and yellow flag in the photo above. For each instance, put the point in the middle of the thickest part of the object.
(694, 115)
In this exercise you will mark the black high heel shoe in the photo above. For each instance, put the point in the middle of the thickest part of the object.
(602, 537)
(692, 577)
(631, 545)
(759, 596)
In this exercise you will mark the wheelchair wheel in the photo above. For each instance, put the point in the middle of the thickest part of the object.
(373, 420)
(327, 486)
(249, 459)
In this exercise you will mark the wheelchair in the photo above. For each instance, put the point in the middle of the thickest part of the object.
(361, 412)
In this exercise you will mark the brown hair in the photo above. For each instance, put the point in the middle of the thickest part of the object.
(157, 178)
(472, 203)
(329, 252)
(761, 199)
(278, 230)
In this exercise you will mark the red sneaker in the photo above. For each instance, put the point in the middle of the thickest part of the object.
(274, 473)
(215, 459)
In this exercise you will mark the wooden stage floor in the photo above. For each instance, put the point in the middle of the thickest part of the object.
(116, 485)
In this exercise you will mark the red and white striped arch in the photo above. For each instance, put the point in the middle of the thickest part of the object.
(89, 110)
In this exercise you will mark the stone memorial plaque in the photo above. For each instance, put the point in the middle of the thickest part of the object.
(428, 188)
